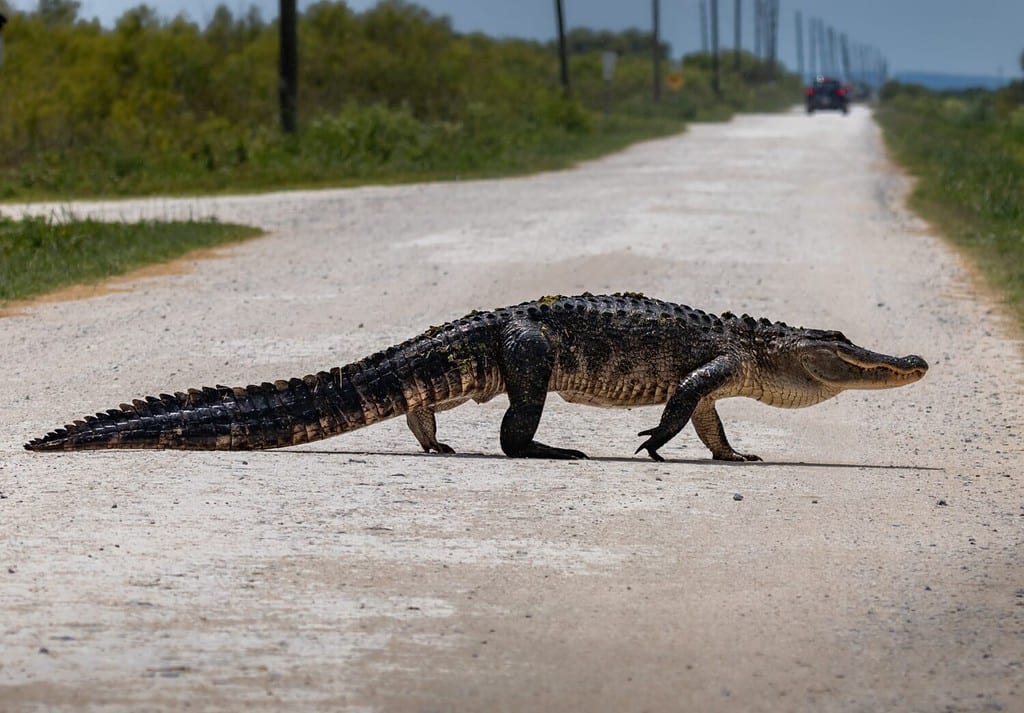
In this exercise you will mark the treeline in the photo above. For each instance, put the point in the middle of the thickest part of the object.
(967, 150)
(157, 104)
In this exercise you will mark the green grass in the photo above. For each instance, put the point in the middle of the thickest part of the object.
(967, 153)
(356, 146)
(375, 144)
(39, 255)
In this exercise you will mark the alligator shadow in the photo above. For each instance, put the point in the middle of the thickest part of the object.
(618, 459)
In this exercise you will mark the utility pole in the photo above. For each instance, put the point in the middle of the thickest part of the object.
(758, 32)
(812, 48)
(3, 21)
(656, 50)
(833, 63)
(289, 66)
(714, 47)
(737, 21)
(800, 45)
(822, 48)
(845, 52)
(563, 57)
(704, 26)
(773, 35)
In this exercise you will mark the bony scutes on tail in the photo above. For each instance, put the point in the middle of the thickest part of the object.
(611, 350)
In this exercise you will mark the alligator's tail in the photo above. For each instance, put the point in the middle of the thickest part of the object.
(425, 372)
(284, 413)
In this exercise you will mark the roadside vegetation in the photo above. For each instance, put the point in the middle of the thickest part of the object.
(967, 151)
(166, 106)
(38, 255)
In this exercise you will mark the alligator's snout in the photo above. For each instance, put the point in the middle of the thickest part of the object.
(867, 360)
(914, 365)
(847, 366)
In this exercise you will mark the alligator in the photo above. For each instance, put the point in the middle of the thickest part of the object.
(620, 350)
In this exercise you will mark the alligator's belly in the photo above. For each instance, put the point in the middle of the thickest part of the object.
(622, 396)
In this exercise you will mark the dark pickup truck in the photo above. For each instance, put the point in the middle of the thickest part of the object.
(827, 93)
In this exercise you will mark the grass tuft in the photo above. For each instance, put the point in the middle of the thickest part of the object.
(967, 152)
(39, 255)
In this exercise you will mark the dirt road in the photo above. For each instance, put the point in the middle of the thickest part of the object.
(874, 563)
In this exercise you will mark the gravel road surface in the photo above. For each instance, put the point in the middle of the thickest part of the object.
(875, 561)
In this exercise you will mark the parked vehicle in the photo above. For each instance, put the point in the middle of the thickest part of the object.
(827, 93)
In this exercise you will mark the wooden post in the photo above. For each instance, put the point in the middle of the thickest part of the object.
(833, 63)
(737, 19)
(289, 66)
(656, 50)
(772, 41)
(812, 48)
(844, 53)
(758, 29)
(715, 86)
(3, 21)
(704, 44)
(563, 56)
(800, 45)
(822, 49)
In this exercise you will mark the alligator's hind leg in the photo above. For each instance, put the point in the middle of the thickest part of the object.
(709, 429)
(424, 426)
(527, 362)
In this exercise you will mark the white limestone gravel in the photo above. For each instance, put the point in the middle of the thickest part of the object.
(357, 574)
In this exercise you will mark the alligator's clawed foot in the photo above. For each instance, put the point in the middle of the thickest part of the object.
(736, 457)
(658, 436)
(540, 450)
(438, 447)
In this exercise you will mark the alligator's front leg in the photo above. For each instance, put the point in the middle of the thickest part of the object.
(698, 384)
(709, 429)
(526, 364)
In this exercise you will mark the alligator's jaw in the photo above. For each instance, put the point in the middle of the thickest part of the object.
(836, 367)
(821, 365)
(870, 370)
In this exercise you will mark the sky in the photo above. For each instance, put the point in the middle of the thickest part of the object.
(971, 37)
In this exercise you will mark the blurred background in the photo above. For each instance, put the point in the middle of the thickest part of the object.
(110, 97)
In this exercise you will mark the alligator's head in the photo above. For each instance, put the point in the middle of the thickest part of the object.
(807, 366)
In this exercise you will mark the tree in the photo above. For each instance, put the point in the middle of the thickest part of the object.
(58, 12)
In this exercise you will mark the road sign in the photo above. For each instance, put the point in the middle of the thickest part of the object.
(608, 62)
